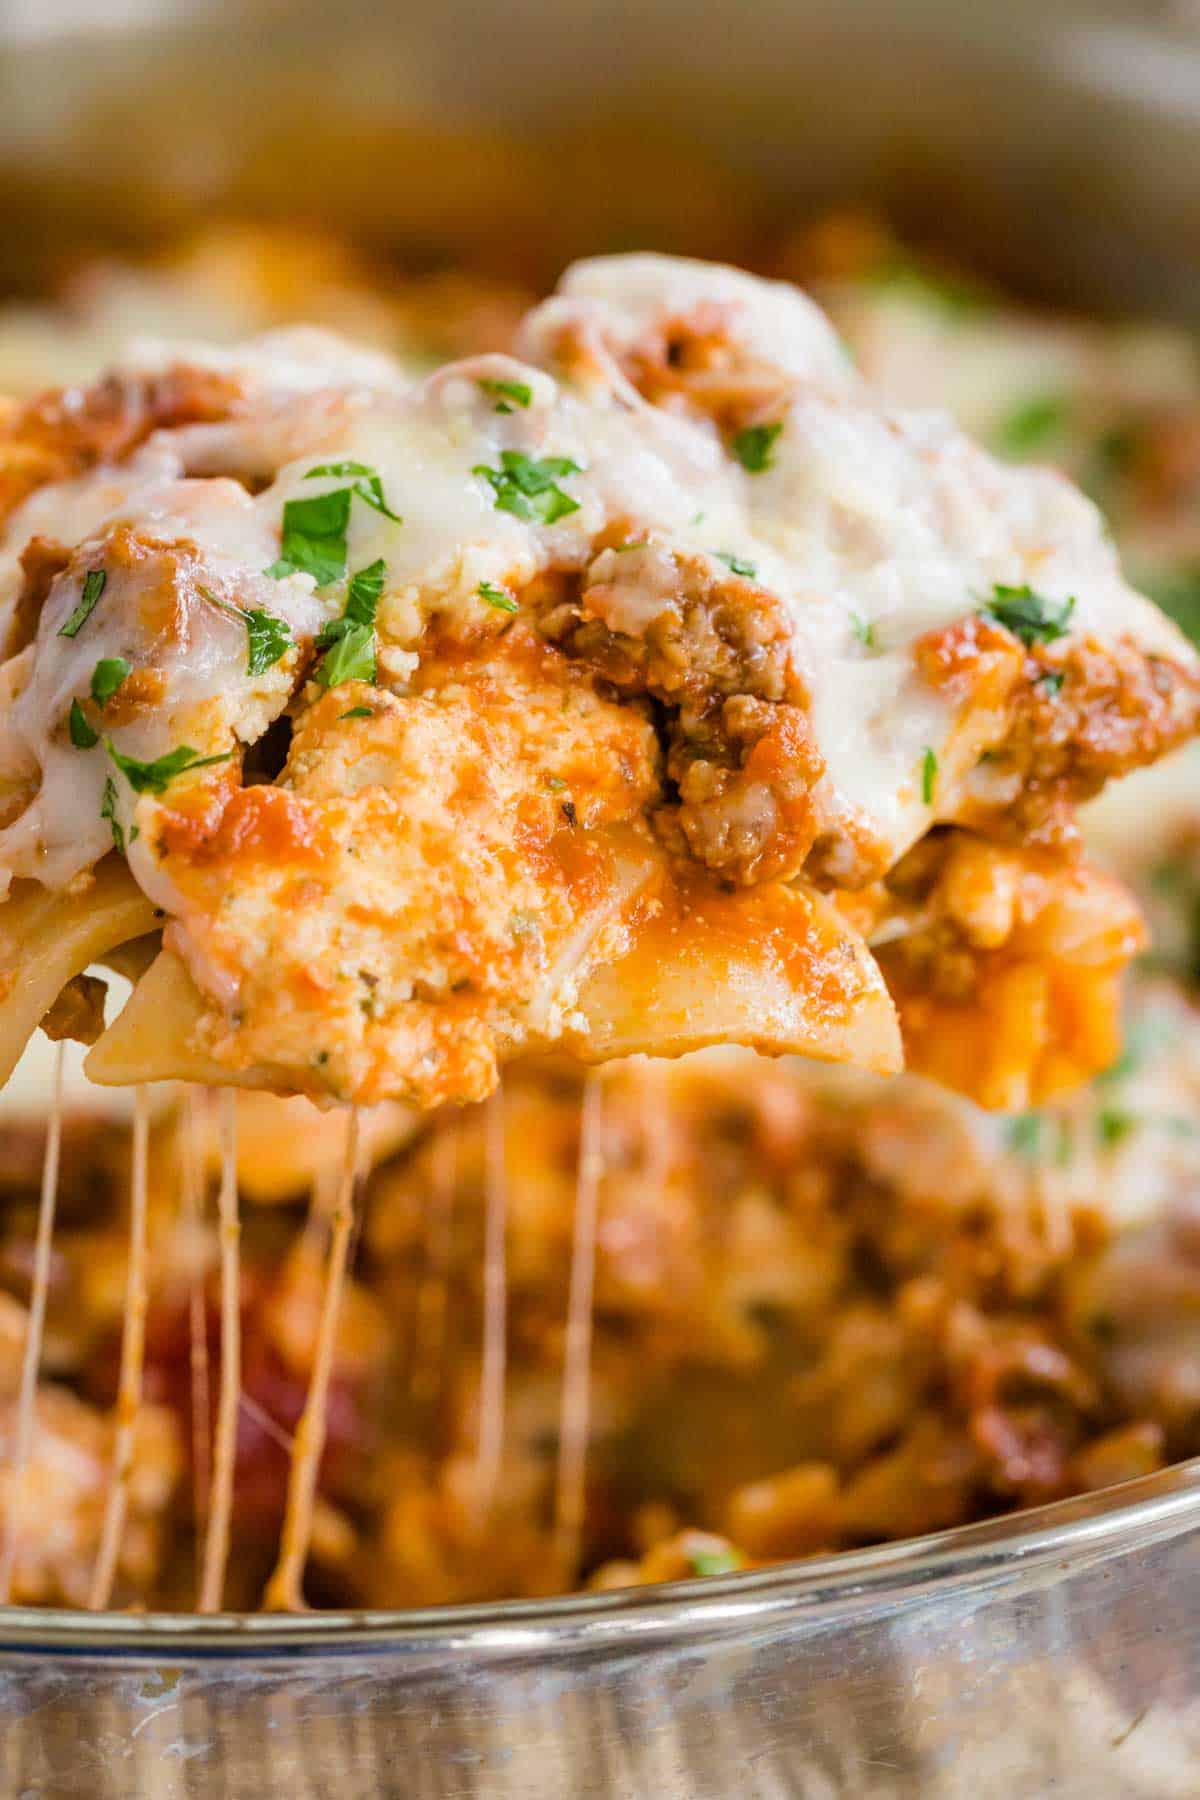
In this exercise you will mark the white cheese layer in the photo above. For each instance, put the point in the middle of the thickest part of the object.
(868, 524)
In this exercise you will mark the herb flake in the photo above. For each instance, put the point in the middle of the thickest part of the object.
(737, 564)
(156, 777)
(81, 733)
(93, 586)
(497, 597)
(754, 446)
(1029, 615)
(107, 676)
(864, 631)
(507, 394)
(349, 643)
(929, 769)
(528, 487)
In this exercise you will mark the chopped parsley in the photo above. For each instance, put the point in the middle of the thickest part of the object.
(1038, 1137)
(528, 487)
(507, 394)
(864, 631)
(753, 447)
(715, 1562)
(108, 810)
(349, 642)
(268, 640)
(82, 735)
(314, 531)
(929, 769)
(1051, 681)
(269, 637)
(634, 544)
(1032, 424)
(314, 537)
(358, 712)
(366, 484)
(738, 564)
(1029, 616)
(497, 597)
(107, 677)
(93, 586)
(1113, 1125)
(156, 777)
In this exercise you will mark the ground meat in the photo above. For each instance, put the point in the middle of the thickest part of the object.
(694, 363)
(41, 561)
(714, 650)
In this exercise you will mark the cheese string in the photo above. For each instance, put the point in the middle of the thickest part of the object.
(284, 1592)
(575, 1405)
(493, 1358)
(194, 1160)
(34, 1328)
(429, 1328)
(133, 1344)
(220, 1508)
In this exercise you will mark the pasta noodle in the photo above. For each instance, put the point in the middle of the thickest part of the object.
(46, 939)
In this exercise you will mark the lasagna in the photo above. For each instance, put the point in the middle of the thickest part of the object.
(657, 687)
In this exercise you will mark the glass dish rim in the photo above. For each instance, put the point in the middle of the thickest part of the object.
(1073, 1532)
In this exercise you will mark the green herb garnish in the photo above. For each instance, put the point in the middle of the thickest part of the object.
(1039, 1138)
(268, 640)
(929, 769)
(1114, 1124)
(156, 777)
(1031, 424)
(738, 564)
(314, 537)
(366, 484)
(349, 642)
(93, 587)
(497, 597)
(1029, 616)
(108, 810)
(528, 487)
(1051, 681)
(503, 392)
(358, 712)
(754, 445)
(107, 677)
(715, 1562)
(864, 631)
(82, 735)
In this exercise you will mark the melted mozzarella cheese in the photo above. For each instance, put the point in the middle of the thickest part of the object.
(866, 517)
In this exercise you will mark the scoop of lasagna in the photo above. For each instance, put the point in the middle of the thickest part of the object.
(660, 688)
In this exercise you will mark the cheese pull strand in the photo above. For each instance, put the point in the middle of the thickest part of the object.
(285, 1589)
(494, 1355)
(194, 1162)
(575, 1408)
(34, 1329)
(133, 1346)
(432, 1303)
(220, 1505)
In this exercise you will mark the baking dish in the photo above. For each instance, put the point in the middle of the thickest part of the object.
(1053, 1651)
